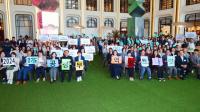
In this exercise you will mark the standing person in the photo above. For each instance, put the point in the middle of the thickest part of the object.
(116, 62)
(26, 68)
(41, 67)
(53, 68)
(182, 64)
(195, 59)
(68, 65)
(13, 68)
(144, 68)
(131, 66)
(2, 68)
(79, 72)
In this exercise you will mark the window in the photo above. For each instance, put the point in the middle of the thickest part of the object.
(108, 5)
(92, 22)
(123, 26)
(194, 19)
(192, 2)
(1, 27)
(165, 25)
(124, 6)
(166, 4)
(24, 25)
(146, 5)
(146, 27)
(109, 22)
(91, 5)
(23, 2)
(71, 21)
(72, 4)
(1, 1)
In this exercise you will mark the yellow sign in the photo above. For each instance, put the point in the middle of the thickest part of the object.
(79, 65)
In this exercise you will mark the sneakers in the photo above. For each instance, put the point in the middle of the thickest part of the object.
(131, 79)
(38, 80)
(79, 79)
(117, 77)
(44, 79)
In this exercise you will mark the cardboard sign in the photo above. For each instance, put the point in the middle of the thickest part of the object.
(8, 61)
(52, 63)
(88, 57)
(170, 61)
(79, 65)
(66, 63)
(155, 61)
(73, 52)
(63, 38)
(59, 53)
(32, 60)
(73, 41)
(190, 34)
(85, 41)
(116, 60)
(144, 61)
(44, 38)
(54, 37)
(180, 37)
(90, 49)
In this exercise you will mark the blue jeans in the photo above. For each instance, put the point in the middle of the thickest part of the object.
(40, 71)
(143, 70)
(23, 73)
(53, 73)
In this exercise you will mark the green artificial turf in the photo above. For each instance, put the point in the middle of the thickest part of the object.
(99, 93)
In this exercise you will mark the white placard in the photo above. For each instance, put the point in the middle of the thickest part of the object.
(73, 52)
(90, 49)
(190, 34)
(85, 41)
(8, 61)
(170, 61)
(63, 38)
(88, 57)
(54, 37)
(44, 38)
(32, 60)
(73, 41)
(144, 61)
(180, 37)
(52, 63)
(59, 53)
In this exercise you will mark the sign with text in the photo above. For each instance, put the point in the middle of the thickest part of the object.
(8, 61)
(170, 61)
(116, 60)
(88, 57)
(66, 63)
(73, 41)
(52, 63)
(54, 37)
(44, 38)
(32, 60)
(90, 49)
(144, 61)
(85, 41)
(73, 52)
(190, 34)
(63, 38)
(59, 53)
(79, 65)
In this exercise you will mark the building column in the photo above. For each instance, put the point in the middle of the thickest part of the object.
(8, 20)
(175, 29)
(61, 17)
(101, 19)
(117, 3)
(152, 17)
(83, 9)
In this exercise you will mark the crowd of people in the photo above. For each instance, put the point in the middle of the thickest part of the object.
(128, 59)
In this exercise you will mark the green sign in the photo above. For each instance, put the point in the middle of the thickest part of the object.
(66, 63)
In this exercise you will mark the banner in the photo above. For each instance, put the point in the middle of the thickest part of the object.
(73, 52)
(85, 41)
(88, 57)
(66, 63)
(190, 34)
(170, 61)
(90, 49)
(180, 37)
(44, 38)
(144, 61)
(73, 41)
(52, 63)
(54, 37)
(79, 65)
(116, 60)
(63, 38)
(32, 60)
(8, 61)
(59, 53)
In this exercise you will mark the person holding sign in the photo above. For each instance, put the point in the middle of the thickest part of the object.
(26, 68)
(169, 65)
(158, 65)
(195, 59)
(130, 66)
(12, 68)
(41, 66)
(79, 61)
(3, 68)
(116, 62)
(144, 65)
(53, 65)
(66, 66)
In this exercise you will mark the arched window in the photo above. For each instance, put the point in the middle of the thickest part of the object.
(72, 4)
(109, 22)
(165, 25)
(71, 21)
(23, 2)
(24, 25)
(124, 6)
(1, 27)
(193, 19)
(92, 22)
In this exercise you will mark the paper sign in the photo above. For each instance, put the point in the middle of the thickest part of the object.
(190, 34)
(44, 38)
(88, 57)
(54, 37)
(155, 61)
(180, 37)
(63, 38)
(66, 63)
(144, 61)
(52, 63)
(32, 60)
(8, 61)
(73, 41)
(59, 53)
(85, 41)
(73, 52)
(79, 65)
(90, 49)
(116, 60)
(170, 61)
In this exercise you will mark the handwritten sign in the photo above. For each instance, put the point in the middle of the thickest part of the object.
(90, 49)
(59, 53)
(66, 63)
(144, 61)
(73, 42)
(63, 38)
(8, 61)
(79, 65)
(116, 60)
(88, 57)
(32, 60)
(52, 63)
(190, 34)
(54, 37)
(170, 61)
(44, 38)
(85, 41)
(73, 52)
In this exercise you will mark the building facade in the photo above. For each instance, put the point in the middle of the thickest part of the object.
(97, 17)
(162, 15)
